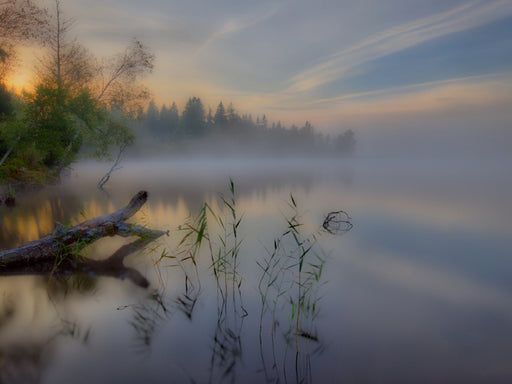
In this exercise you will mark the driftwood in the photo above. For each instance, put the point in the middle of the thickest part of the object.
(58, 254)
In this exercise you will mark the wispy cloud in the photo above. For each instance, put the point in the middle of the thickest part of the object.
(457, 95)
(494, 79)
(236, 24)
(399, 38)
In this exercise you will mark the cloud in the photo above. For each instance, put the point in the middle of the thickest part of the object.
(236, 24)
(473, 91)
(398, 38)
(484, 94)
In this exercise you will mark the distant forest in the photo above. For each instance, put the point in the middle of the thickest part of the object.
(225, 132)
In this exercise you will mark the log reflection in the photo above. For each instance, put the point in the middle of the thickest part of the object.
(78, 266)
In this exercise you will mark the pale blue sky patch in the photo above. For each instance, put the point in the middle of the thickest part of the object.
(399, 38)
(467, 53)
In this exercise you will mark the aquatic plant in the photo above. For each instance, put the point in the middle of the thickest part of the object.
(291, 279)
(185, 257)
(217, 233)
(289, 285)
(225, 260)
(227, 347)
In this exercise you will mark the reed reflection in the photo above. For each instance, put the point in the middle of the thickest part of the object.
(290, 282)
(217, 231)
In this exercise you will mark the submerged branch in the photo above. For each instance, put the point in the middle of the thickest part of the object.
(114, 167)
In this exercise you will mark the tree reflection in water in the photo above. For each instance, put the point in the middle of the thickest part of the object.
(26, 361)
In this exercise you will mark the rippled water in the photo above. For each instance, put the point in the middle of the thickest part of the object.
(419, 290)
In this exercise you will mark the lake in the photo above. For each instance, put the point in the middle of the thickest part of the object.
(417, 288)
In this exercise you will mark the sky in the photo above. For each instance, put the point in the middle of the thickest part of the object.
(382, 68)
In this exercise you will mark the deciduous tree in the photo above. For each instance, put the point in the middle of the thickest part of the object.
(78, 99)
(118, 77)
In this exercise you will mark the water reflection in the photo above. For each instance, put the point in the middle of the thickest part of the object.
(290, 282)
(227, 345)
(82, 269)
(35, 216)
(218, 232)
(148, 316)
(25, 357)
(418, 290)
(23, 363)
(171, 183)
(337, 223)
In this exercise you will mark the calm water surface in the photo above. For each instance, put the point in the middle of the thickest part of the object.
(419, 290)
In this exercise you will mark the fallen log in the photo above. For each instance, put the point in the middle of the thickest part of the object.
(59, 253)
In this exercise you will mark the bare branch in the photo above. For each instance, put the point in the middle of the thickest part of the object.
(134, 62)
(114, 167)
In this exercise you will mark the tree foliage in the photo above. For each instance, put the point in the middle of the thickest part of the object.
(79, 100)
(49, 116)
(6, 105)
(21, 20)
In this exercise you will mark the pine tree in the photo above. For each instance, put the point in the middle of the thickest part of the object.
(192, 122)
(220, 117)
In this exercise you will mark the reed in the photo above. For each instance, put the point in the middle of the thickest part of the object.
(225, 255)
(291, 279)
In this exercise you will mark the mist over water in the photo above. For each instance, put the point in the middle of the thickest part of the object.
(322, 193)
(419, 290)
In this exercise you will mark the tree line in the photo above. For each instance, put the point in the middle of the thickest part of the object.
(228, 131)
(82, 104)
